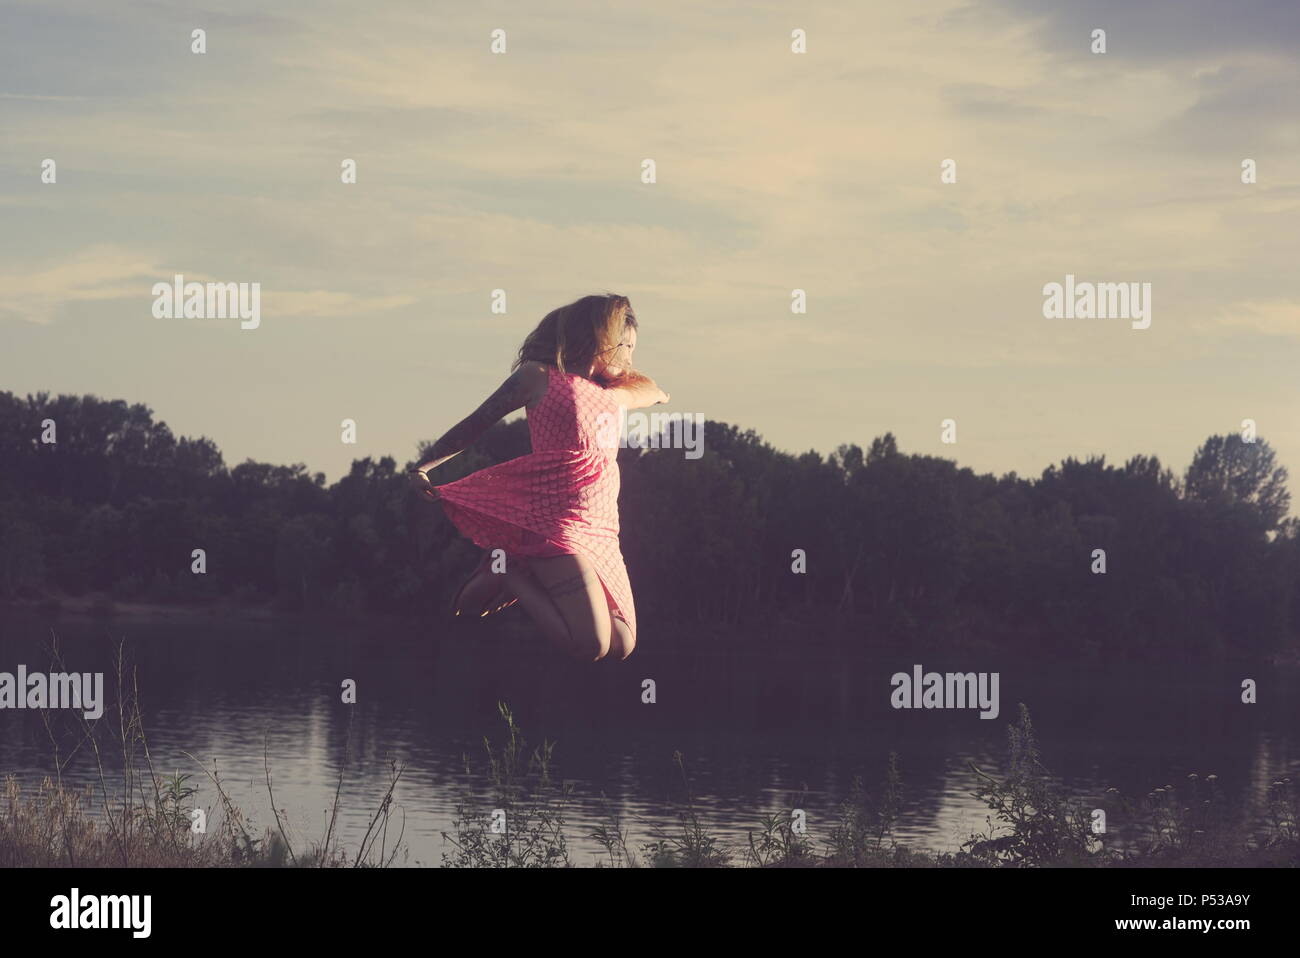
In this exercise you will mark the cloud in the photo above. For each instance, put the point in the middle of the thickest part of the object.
(41, 99)
(105, 272)
(1274, 317)
(99, 272)
(987, 101)
(1163, 29)
(1246, 106)
(321, 303)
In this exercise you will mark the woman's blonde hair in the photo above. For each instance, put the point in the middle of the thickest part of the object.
(571, 337)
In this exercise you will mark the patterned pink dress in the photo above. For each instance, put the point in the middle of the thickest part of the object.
(560, 499)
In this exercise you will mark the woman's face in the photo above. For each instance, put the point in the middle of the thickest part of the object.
(617, 360)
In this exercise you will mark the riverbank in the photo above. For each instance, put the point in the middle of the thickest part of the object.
(99, 605)
(772, 638)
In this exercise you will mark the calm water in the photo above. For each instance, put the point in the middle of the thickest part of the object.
(753, 735)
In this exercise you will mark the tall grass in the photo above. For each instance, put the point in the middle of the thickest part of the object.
(1032, 823)
(524, 825)
(146, 819)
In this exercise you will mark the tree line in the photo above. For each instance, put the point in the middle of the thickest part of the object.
(854, 546)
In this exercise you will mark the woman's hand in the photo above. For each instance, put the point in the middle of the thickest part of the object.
(421, 484)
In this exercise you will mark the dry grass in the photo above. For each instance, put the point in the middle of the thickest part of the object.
(146, 820)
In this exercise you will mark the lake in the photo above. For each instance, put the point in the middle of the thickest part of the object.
(753, 733)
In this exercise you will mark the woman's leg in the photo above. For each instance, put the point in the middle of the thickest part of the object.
(621, 642)
(485, 592)
(564, 596)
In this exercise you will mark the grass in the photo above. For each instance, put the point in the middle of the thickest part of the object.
(151, 820)
(1032, 822)
(524, 825)
(148, 820)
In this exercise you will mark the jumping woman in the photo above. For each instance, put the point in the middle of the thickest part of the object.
(554, 512)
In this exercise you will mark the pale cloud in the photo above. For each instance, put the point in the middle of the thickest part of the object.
(1272, 317)
(99, 272)
(1164, 30)
(42, 99)
(322, 303)
(104, 272)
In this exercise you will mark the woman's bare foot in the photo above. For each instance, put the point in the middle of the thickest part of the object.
(483, 594)
(504, 599)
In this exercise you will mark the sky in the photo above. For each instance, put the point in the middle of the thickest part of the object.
(774, 170)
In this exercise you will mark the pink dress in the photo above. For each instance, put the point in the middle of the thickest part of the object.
(561, 498)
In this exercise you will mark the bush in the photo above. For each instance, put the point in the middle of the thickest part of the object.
(1044, 828)
(523, 826)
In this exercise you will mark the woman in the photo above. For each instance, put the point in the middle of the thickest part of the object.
(554, 512)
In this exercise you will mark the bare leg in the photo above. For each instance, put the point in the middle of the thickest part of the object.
(564, 596)
(485, 592)
(542, 608)
(621, 642)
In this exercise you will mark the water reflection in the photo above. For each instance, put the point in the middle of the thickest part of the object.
(754, 735)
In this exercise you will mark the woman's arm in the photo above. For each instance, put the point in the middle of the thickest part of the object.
(525, 384)
(636, 391)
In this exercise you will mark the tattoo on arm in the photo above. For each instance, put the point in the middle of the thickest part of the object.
(509, 396)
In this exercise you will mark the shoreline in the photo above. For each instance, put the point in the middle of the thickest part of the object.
(98, 606)
(95, 605)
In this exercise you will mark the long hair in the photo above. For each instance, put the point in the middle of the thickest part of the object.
(571, 337)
